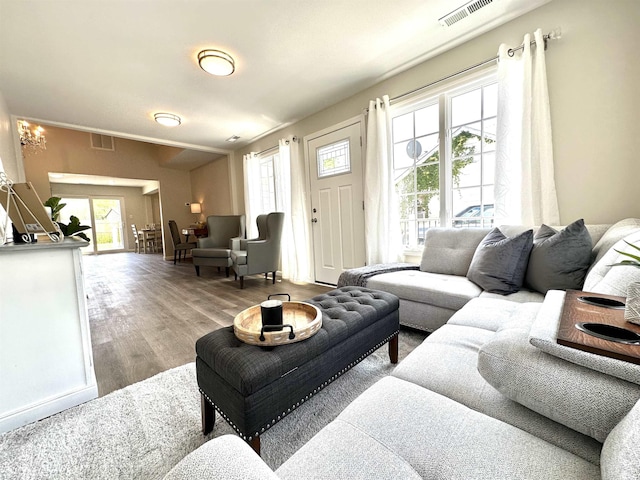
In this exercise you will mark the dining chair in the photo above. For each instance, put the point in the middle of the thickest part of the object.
(179, 247)
(225, 232)
(262, 254)
(138, 238)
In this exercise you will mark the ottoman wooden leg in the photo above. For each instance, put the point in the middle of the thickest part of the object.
(393, 349)
(208, 415)
(255, 444)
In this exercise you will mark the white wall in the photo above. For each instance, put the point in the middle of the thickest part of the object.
(594, 80)
(8, 160)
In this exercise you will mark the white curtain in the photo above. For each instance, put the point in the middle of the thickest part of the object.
(251, 165)
(381, 227)
(525, 191)
(291, 199)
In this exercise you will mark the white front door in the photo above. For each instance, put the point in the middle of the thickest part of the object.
(337, 201)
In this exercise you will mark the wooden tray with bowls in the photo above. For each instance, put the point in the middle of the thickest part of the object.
(300, 321)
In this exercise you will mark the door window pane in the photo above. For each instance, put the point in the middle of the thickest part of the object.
(108, 224)
(333, 159)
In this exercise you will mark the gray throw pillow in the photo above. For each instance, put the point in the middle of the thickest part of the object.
(499, 263)
(559, 260)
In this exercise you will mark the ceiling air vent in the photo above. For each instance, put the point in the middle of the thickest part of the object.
(463, 12)
(102, 142)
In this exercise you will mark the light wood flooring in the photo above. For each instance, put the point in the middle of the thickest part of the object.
(147, 313)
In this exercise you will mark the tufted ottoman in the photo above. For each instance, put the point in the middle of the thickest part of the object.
(253, 387)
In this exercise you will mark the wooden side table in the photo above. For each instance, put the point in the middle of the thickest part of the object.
(577, 313)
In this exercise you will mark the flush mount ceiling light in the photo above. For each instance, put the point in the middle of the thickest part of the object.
(233, 138)
(216, 62)
(167, 119)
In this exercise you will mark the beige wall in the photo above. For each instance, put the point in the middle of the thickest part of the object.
(136, 205)
(210, 187)
(594, 80)
(69, 151)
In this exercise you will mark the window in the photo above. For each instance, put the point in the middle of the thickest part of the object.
(443, 156)
(267, 184)
(333, 159)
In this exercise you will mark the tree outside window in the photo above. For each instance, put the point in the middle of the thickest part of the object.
(462, 185)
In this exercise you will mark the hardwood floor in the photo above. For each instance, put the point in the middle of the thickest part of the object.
(146, 313)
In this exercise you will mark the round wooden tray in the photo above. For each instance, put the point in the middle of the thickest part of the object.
(305, 319)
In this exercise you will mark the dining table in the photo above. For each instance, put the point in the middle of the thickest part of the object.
(151, 239)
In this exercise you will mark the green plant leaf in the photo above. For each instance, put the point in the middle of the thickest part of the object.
(56, 206)
(630, 255)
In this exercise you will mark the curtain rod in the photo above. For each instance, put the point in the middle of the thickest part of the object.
(295, 139)
(552, 35)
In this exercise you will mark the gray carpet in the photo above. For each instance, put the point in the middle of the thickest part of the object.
(143, 430)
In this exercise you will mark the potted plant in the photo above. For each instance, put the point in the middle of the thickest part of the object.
(73, 228)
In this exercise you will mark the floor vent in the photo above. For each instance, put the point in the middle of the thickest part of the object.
(463, 12)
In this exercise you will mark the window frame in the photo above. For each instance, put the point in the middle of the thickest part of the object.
(269, 157)
(441, 95)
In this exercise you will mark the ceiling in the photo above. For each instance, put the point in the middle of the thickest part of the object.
(107, 65)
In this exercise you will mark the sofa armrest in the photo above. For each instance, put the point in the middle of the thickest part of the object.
(226, 457)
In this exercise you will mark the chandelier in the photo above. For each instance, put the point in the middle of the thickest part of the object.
(31, 137)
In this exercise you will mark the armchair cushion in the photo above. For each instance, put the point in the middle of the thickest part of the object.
(211, 252)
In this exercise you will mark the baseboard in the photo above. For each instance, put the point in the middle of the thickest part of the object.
(46, 408)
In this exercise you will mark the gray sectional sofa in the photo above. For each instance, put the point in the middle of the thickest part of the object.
(489, 395)
(431, 295)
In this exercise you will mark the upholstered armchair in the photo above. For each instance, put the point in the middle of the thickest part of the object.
(262, 254)
(225, 233)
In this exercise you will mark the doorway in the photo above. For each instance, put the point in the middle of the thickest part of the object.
(337, 200)
(104, 215)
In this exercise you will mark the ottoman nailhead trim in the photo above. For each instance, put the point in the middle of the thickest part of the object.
(293, 407)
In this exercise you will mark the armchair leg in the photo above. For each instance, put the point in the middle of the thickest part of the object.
(227, 271)
(175, 256)
(241, 282)
(274, 278)
(197, 270)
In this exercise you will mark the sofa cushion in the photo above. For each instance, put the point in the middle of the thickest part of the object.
(544, 335)
(396, 429)
(446, 363)
(521, 296)
(620, 458)
(559, 260)
(499, 263)
(450, 250)
(447, 291)
(228, 457)
(583, 399)
(605, 278)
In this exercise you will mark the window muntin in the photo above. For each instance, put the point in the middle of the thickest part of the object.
(455, 192)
